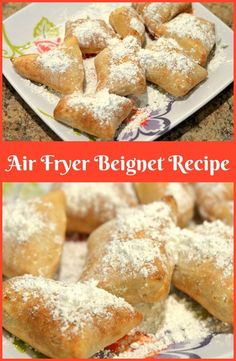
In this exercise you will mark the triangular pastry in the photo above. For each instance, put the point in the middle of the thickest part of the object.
(98, 114)
(61, 69)
(126, 21)
(33, 235)
(183, 193)
(195, 35)
(93, 35)
(65, 320)
(118, 68)
(215, 201)
(88, 205)
(156, 13)
(171, 70)
(205, 268)
(131, 257)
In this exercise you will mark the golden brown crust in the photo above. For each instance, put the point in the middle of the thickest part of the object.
(67, 82)
(122, 19)
(80, 117)
(39, 255)
(33, 323)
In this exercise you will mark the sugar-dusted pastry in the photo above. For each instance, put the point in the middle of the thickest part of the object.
(91, 204)
(157, 13)
(215, 201)
(61, 69)
(118, 68)
(93, 34)
(183, 194)
(33, 235)
(65, 320)
(195, 35)
(171, 70)
(131, 256)
(98, 114)
(126, 21)
(205, 268)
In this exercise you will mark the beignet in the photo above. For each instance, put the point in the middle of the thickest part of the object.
(33, 235)
(126, 21)
(205, 268)
(157, 13)
(65, 320)
(61, 69)
(195, 35)
(98, 114)
(183, 194)
(118, 68)
(131, 256)
(215, 201)
(171, 70)
(93, 35)
(88, 205)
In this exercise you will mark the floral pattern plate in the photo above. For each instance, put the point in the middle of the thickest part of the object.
(37, 27)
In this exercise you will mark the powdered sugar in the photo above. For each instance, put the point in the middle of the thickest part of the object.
(137, 25)
(187, 25)
(73, 305)
(102, 105)
(22, 220)
(124, 72)
(218, 58)
(90, 76)
(151, 11)
(56, 60)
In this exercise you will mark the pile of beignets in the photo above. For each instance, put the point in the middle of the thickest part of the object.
(142, 237)
(174, 58)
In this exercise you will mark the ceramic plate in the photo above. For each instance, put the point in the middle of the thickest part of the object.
(212, 346)
(39, 27)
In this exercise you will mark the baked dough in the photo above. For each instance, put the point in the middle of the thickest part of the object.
(171, 70)
(33, 235)
(98, 114)
(205, 268)
(61, 69)
(130, 256)
(126, 21)
(157, 13)
(118, 68)
(91, 204)
(93, 35)
(215, 201)
(183, 194)
(65, 320)
(195, 35)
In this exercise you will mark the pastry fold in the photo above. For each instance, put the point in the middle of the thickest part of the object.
(126, 21)
(130, 256)
(183, 194)
(215, 201)
(204, 269)
(100, 114)
(93, 35)
(118, 68)
(61, 69)
(33, 235)
(65, 320)
(171, 70)
(157, 13)
(195, 35)
(89, 205)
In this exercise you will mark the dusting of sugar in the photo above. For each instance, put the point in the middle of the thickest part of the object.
(22, 220)
(102, 105)
(137, 25)
(124, 72)
(56, 60)
(73, 305)
(187, 25)
(90, 76)
(151, 11)
(218, 57)
(72, 261)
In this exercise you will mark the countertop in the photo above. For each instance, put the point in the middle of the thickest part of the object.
(214, 122)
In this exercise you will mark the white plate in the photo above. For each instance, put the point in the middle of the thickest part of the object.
(34, 25)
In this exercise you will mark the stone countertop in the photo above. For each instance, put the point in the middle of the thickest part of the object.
(213, 122)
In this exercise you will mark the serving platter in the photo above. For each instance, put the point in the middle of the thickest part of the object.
(40, 26)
